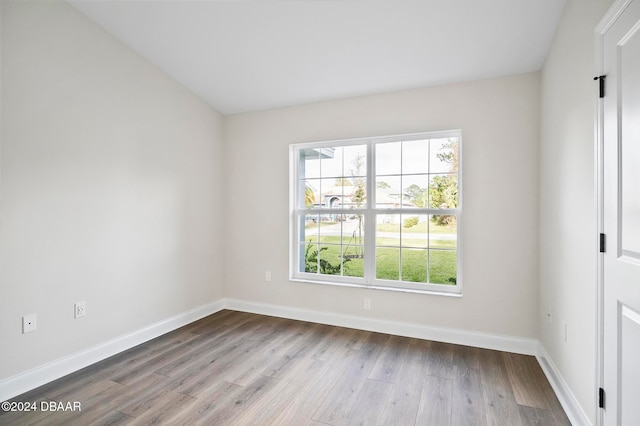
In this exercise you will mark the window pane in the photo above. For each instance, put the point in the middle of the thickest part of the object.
(341, 229)
(355, 175)
(388, 158)
(353, 229)
(443, 232)
(388, 193)
(309, 164)
(331, 163)
(309, 228)
(443, 191)
(309, 258)
(357, 194)
(387, 263)
(353, 260)
(443, 155)
(330, 229)
(388, 230)
(330, 194)
(414, 265)
(415, 157)
(309, 193)
(415, 191)
(329, 259)
(414, 230)
(355, 161)
(442, 267)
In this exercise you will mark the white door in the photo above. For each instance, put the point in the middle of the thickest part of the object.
(621, 218)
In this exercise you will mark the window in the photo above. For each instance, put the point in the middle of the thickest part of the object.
(379, 212)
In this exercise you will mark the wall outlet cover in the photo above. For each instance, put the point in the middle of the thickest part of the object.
(29, 323)
(80, 309)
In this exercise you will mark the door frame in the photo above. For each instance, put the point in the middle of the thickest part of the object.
(614, 12)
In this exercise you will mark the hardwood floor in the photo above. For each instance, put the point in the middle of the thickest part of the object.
(236, 368)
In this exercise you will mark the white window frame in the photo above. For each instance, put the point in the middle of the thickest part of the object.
(370, 212)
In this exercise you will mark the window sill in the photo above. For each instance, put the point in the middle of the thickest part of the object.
(375, 287)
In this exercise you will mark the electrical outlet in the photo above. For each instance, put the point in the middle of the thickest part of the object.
(367, 303)
(80, 309)
(267, 276)
(29, 323)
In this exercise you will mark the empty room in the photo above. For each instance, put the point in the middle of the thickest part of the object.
(320, 212)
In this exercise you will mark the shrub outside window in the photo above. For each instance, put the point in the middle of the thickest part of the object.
(379, 212)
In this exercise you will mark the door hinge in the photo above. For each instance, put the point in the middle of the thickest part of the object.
(602, 243)
(600, 79)
(601, 398)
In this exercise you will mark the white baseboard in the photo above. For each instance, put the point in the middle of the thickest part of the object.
(449, 335)
(567, 399)
(46, 373)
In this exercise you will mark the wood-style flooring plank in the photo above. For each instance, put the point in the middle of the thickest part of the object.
(280, 365)
(336, 407)
(467, 403)
(335, 341)
(205, 349)
(217, 395)
(369, 404)
(304, 404)
(210, 369)
(266, 409)
(389, 361)
(247, 370)
(404, 401)
(530, 387)
(144, 394)
(242, 399)
(467, 357)
(166, 410)
(440, 362)
(530, 416)
(145, 362)
(209, 324)
(501, 406)
(435, 402)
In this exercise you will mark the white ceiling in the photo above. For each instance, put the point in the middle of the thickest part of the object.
(249, 55)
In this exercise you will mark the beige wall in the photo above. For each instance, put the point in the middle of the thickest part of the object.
(567, 200)
(499, 119)
(111, 188)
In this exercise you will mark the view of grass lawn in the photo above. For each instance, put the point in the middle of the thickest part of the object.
(442, 265)
(421, 227)
(411, 262)
(415, 242)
